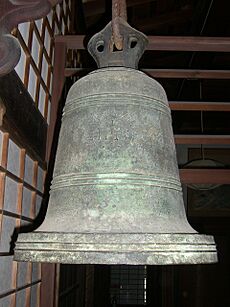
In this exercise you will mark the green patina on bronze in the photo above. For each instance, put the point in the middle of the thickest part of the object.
(116, 196)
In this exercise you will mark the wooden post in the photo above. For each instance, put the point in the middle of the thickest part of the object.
(58, 83)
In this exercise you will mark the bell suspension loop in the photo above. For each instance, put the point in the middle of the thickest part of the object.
(118, 44)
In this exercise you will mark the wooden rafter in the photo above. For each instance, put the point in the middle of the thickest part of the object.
(188, 73)
(164, 43)
(199, 106)
(195, 139)
(205, 176)
(171, 73)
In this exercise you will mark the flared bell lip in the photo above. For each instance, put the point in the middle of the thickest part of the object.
(116, 248)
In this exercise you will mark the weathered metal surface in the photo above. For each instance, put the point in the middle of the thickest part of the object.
(116, 196)
(134, 249)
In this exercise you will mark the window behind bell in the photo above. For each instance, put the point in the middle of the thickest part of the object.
(128, 285)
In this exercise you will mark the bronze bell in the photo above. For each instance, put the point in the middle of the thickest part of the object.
(116, 196)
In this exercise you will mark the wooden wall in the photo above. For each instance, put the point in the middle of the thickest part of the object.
(22, 165)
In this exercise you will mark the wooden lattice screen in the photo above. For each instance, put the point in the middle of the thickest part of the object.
(35, 67)
(21, 174)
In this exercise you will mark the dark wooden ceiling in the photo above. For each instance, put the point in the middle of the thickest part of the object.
(164, 17)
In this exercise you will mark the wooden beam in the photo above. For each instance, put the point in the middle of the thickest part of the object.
(48, 284)
(189, 43)
(202, 139)
(205, 176)
(71, 41)
(169, 73)
(57, 87)
(69, 72)
(165, 43)
(199, 106)
(188, 73)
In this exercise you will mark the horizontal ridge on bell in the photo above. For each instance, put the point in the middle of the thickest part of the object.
(153, 248)
(75, 179)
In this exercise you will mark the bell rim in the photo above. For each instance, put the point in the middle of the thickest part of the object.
(35, 247)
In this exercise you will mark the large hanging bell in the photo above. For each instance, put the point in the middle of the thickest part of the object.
(116, 196)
